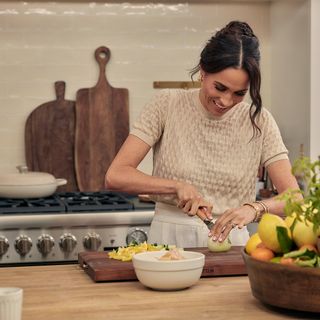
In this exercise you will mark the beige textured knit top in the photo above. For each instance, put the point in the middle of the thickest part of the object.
(215, 154)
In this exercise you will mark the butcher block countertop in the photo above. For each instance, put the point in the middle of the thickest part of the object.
(63, 292)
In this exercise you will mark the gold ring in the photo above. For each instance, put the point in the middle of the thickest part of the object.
(233, 225)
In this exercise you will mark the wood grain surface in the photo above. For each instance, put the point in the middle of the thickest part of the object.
(284, 286)
(102, 125)
(49, 138)
(100, 267)
(65, 292)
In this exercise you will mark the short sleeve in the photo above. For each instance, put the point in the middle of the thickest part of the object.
(150, 124)
(273, 148)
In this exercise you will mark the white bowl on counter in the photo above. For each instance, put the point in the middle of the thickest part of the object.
(168, 274)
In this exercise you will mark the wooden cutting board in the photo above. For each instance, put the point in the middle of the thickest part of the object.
(100, 267)
(49, 138)
(102, 125)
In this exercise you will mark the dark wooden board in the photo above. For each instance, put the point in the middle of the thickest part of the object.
(102, 125)
(49, 138)
(100, 267)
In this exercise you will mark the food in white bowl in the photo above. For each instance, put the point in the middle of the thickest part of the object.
(168, 274)
(173, 254)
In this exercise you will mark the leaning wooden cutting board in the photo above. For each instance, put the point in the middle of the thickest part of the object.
(100, 267)
(49, 138)
(102, 125)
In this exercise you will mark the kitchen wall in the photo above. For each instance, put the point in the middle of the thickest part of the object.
(290, 68)
(42, 42)
(49, 41)
(315, 80)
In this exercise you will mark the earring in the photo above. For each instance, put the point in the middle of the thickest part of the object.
(200, 78)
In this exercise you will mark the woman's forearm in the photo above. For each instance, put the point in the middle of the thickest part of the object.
(274, 205)
(131, 180)
(283, 179)
(123, 174)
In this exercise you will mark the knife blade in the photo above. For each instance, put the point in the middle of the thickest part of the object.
(209, 223)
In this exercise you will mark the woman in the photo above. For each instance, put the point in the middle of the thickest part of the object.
(207, 147)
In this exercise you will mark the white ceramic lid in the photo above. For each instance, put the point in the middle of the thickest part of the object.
(26, 179)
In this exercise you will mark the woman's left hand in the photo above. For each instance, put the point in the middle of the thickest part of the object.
(231, 218)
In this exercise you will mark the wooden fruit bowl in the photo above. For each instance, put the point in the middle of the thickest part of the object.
(289, 287)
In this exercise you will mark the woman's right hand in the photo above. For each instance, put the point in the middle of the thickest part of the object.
(191, 202)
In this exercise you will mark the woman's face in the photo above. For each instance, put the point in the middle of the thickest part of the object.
(223, 90)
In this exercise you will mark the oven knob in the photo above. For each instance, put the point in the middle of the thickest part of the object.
(23, 244)
(4, 245)
(92, 241)
(45, 244)
(136, 236)
(67, 242)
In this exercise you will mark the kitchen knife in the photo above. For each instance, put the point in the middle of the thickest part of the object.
(202, 214)
(209, 223)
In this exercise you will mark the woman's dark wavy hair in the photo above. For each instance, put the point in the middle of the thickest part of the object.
(235, 46)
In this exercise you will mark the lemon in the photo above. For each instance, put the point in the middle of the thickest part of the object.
(303, 232)
(252, 243)
(267, 230)
(290, 219)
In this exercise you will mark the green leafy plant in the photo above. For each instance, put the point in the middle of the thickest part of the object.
(284, 240)
(308, 208)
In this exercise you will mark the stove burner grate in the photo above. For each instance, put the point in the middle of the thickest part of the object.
(71, 202)
(49, 204)
(95, 201)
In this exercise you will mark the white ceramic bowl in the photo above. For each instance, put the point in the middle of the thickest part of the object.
(168, 274)
(28, 184)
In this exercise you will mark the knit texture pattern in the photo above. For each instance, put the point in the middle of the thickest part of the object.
(215, 154)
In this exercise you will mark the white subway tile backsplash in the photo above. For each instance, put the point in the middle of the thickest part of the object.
(42, 42)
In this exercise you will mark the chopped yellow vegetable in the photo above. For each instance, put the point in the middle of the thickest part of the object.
(126, 253)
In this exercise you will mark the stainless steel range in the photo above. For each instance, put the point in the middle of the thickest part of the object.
(55, 229)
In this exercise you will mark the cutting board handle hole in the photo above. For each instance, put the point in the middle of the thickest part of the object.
(102, 54)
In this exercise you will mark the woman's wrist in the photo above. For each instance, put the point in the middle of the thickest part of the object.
(256, 211)
(173, 186)
(259, 207)
(263, 205)
(177, 185)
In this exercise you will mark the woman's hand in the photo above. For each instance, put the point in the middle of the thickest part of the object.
(191, 202)
(231, 218)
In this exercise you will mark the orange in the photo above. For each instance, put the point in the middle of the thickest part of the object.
(287, 261)
(310, 247)
(261, 245)
(263, 254)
